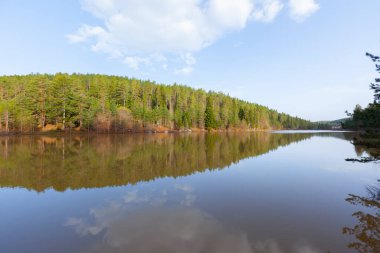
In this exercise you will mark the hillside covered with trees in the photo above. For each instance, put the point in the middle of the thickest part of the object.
(101, 103)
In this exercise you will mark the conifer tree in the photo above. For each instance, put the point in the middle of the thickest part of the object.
(210, 121)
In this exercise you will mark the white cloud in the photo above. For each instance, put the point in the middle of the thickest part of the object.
(229, 14)
(134, 62)
(267, 10)
(84, 33)
(184, 71)
(103, 39)
(301, 9)
(141, 32)
(188, 59)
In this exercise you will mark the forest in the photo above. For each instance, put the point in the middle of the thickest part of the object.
(101, 103)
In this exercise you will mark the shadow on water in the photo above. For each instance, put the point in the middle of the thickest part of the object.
(367, 229)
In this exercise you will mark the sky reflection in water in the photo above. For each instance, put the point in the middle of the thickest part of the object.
(276, 193)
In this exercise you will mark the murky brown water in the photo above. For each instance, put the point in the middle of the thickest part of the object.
(256, 192)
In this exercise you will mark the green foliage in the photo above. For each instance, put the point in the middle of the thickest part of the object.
(368, 118)
(365, 118)
(376, 85)
(210, 121)
(32, 102)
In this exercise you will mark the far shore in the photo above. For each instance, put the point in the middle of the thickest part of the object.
(166, 131)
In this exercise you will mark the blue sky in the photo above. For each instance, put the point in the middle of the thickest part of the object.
(303, 57)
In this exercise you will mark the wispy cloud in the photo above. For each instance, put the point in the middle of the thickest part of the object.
(136, 31)
(267, 10)
(301, 9)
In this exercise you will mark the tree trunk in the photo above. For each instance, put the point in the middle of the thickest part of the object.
(64, 117)
(43, 120)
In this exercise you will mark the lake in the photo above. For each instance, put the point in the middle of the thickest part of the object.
(255, 192)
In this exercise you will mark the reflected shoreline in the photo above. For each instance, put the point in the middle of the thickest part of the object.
(43, 162)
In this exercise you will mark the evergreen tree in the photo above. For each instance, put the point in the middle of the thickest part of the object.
(210, 121)
(368, 118)
(376, 86)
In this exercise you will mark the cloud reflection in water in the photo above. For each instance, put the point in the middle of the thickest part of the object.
(162, 222)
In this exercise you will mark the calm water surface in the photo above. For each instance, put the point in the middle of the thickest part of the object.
(257, 192)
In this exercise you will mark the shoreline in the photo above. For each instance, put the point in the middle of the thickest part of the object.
(152, 131)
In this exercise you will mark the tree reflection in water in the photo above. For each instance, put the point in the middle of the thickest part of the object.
(367, 231)
(43, 162)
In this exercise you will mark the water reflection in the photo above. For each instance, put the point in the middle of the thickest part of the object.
(167, 221)
(373, 154)
(41, 162)
(367, 229)
(288, 201)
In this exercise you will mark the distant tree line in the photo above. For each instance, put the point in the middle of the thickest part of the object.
(369, 117)
(41, 102)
